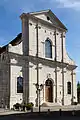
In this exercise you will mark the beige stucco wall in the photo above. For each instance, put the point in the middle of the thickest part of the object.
(59, 86)
(74, 86)
(67, 97)
(43, 76)
(18, 49)
(42, 36)
(14, 96)
(43, 73)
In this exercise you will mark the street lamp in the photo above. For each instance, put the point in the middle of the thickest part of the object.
(39, 88)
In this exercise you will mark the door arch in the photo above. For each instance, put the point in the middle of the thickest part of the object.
(48, 91)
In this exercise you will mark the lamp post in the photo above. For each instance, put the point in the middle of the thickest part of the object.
(39, 89)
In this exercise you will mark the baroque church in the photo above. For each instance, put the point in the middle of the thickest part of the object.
(38, 56)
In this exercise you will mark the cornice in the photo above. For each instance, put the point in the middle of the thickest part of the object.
(42, 61)
(38, 20)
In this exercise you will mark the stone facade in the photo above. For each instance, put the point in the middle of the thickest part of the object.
(25, 57)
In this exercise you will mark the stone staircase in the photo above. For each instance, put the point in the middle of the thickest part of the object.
(49, 104)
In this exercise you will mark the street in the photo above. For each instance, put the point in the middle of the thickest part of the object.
(42, 116)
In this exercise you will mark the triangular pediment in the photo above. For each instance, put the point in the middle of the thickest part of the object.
(50, 17)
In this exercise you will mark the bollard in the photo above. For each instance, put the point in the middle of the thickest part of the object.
(20, 109)
(32, 110)
(6, 107)
(73, 113)
(2, 106)
(25, 109)
(60, 112)
(48, 111)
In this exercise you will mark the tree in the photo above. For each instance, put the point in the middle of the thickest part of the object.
(78, 91)
(78, 85)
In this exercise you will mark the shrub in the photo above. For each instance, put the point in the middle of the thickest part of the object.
(17, 106)
(74, 103)
(28, 106)
(31, 104)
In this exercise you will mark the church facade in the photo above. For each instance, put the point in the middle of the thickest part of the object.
(38, 56)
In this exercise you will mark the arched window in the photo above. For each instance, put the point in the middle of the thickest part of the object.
(48, 83)
(69, 87)
(48, 49)
(19, 84)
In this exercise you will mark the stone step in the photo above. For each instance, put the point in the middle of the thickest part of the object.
(49, 104)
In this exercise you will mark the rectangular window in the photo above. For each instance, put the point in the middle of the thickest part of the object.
(19, 84)
(69, 87)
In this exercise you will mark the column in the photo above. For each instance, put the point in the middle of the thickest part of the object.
(62, 71)
(25, 34)
(37, 64)
(25, 38)
(26, 82)
(74, 87)
(55, 67)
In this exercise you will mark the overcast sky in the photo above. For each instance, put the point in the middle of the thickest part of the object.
(68, 11)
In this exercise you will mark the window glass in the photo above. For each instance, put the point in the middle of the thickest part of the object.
(69, 87)
(48, 49)
(19, 84)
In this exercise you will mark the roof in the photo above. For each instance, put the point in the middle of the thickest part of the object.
(13, 42)
(52, 15)
(39, 12)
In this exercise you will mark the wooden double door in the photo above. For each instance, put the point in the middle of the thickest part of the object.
(48, 91)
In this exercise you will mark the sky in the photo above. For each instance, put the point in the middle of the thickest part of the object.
(68, 11)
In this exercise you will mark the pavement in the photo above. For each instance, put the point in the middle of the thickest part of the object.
(8, 112)
(57, 108)
(43, 109)
(56, 115)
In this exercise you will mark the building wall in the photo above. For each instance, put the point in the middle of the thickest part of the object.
(43, 33)
(4, 80)
(74, 86)
(67, 78)
(59, 86)
(42, 79)
(18, 49)
(14, 96)
(43, 76)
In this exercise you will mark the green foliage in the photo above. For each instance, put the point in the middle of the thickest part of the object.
(78, 85)
(28, 106)
(17, 105)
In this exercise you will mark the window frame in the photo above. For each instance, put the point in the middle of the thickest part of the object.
(19, 91)
(48, 43)
(69, 88)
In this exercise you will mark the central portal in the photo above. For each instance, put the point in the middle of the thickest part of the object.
(48, 91)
